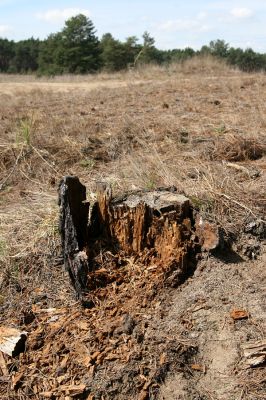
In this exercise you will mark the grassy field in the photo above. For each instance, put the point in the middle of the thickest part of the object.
(199, 126)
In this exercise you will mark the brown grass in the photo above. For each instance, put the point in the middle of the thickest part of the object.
(149, 132)
(238, 148)
(129, 137)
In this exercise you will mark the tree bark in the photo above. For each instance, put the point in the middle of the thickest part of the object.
(73, 229)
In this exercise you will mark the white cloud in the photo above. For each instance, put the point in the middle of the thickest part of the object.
(197, 24)
(183, 25)
(4, 29)
(57, 15)
(202, 15)
(241, 13)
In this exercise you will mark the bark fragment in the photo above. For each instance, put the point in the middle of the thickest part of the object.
(73, 229)
(12, 341)
(254, 353)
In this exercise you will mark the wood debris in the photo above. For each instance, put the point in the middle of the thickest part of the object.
(254, 353)
(12, 341)
(199, 368)
(239, 314)
(3, 365)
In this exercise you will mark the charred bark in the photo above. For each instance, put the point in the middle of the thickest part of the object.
(73, 223)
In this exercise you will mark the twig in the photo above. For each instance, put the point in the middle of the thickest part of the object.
(26, 176)
(39, 154)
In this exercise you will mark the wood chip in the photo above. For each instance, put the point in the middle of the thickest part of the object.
(239, 314)
(95, 355)
(72, 390)
(162, 358)
(3, 365)
(144, 395)
(16, 379)
(198, 367)
(47, 395)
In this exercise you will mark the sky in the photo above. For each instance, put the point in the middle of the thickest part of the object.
(173, 24)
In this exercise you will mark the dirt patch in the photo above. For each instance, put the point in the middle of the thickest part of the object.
(201, 313)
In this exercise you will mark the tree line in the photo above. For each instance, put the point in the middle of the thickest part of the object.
(76, 49)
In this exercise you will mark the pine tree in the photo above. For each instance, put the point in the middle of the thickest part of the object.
(81, 51)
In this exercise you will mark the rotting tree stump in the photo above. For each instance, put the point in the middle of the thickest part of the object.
(156, 227)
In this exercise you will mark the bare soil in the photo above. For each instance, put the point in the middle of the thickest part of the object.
(140, 338)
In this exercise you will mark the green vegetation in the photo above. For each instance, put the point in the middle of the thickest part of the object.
(24, 133)
(76, 49)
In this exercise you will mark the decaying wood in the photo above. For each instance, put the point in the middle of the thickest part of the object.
(156, 224)
(12, 341)
(73, 229)
(239, 314)
(157, 227)
(255, 353)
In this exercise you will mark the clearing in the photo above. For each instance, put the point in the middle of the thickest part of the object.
(200, 127)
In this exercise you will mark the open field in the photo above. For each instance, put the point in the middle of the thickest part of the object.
(200, 127)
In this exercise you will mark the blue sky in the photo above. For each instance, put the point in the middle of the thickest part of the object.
(174, 24)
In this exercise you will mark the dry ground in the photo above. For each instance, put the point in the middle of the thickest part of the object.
(200, 127)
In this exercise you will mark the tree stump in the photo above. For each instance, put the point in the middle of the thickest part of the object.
(156, 227)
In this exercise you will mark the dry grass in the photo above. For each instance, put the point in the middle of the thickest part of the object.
(140, 135)
(140, 129)
(146, 134)
(238, 148)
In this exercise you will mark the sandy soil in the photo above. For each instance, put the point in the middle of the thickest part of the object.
(12, 88)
